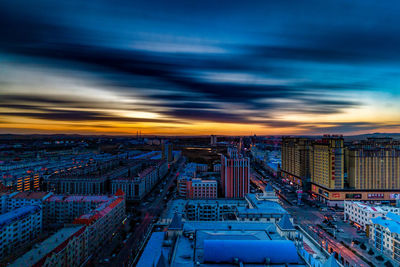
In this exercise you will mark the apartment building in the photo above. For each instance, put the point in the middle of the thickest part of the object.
(67, 247)
(385, 235)
(295, 160)
(63, 209)
(16, 200)
(374, 167)
(103, 221)
(19, 228)
(202, 189)
(136, 187)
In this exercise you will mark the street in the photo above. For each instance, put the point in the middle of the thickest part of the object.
(312, 220)
(150, 207)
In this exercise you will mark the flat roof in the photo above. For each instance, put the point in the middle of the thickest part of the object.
(152, 250)
(191, 250)
(16, 214)
(79, 198)
(31, 195)
(41, 250)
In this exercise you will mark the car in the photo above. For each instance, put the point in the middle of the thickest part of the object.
(340, 230)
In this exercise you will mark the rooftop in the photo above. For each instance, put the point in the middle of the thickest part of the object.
(17, 214)
(152, 250)
(99, 212)
(32, 195)
(219, 243)
(390, 221)
(53, 243)
(79, 198)
(285, 223)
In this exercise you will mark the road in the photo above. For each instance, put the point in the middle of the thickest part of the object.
(152, 212)
(309, 218)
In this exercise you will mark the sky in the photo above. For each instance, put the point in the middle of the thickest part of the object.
(199, 67)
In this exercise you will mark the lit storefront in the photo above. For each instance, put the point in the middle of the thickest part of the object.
(336, 197)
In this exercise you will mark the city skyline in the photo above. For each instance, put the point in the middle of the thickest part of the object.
(178, 68)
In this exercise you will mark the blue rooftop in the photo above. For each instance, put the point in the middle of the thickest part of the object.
(152, 251)
(391, 221)
(285, 223)
(17, 214)
(250, 251)
(176, 223)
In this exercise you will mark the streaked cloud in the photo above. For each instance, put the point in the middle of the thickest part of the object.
(182, 68)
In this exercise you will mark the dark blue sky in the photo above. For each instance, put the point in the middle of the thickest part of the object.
(195, 67)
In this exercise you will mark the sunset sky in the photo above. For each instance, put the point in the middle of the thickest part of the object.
(199, 67)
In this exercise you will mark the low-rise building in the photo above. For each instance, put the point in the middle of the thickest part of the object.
(385, 235)
(202, 189)
(228, 243)
(361, 214)
(252, 208)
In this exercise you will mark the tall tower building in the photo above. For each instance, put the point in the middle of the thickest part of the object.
(295, 160)
(327, 162)
(166, 147)
(213, 140)
(235, 174)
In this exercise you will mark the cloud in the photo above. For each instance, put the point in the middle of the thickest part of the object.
(201, 66)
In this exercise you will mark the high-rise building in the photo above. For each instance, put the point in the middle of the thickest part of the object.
(235, 174)
(166, 147)
(374, 166)
(213, 140)
(296, 160)
(327, 162)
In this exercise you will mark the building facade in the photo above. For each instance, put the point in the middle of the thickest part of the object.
(361, 214)
(327, 162)
(202, 189)
(67, 247)
(385, 235)
(374, 168)
(19, 228)
(103, 221)
(296, 160)
(235, 174)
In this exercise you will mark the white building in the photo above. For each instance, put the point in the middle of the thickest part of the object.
(18, 228)
(361, 214)
(385, 235)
